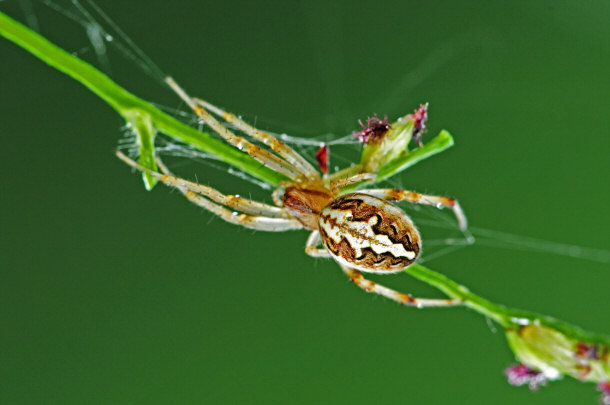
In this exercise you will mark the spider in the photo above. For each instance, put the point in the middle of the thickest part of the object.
(361, 231)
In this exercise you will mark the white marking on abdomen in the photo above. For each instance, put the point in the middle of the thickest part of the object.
(363, 235)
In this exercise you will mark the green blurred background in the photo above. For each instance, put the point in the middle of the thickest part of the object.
(111, 294)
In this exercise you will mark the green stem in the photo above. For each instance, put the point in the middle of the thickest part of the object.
(507, 317)
(137, 112)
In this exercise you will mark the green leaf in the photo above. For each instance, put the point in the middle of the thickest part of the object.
(145, 132)
(441, 142)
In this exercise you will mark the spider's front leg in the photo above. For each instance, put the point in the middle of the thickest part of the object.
(279, 147)
(267, 158)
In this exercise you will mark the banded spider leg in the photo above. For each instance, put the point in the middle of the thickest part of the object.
(291, 164)
(255, 215)
(279, 147)
(390, 194)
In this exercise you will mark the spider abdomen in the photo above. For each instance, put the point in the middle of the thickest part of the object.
(368, 234)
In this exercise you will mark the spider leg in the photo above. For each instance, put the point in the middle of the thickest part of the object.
(405, 299)
(279, 147)
(337, 184)
(244, 205)
(265, 157)
(193, 192)
(311, 247)
(233, 201)
(277, 196)
(248, 221)
(417, 198)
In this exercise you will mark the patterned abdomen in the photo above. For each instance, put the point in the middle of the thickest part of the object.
(369, 234)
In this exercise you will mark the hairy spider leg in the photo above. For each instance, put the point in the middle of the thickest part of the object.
(405, 299)
(311, 248)
(244, 205)
(248, 221)
(337, 184)
(193, 192)
(233, 201)
(264, 156)
(417, 198)
(279, 147)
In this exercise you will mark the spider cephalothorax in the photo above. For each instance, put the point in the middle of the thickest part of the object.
(306, 203)
(362, 231)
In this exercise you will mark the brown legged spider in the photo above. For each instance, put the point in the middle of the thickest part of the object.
(361, 231)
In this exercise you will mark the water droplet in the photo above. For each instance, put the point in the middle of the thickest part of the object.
(440, 206)
(109, 38)
(521, 321)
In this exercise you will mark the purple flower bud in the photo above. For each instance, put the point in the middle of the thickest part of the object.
(605, 390)
(374, 130)
(520, 374)
(420, 116)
